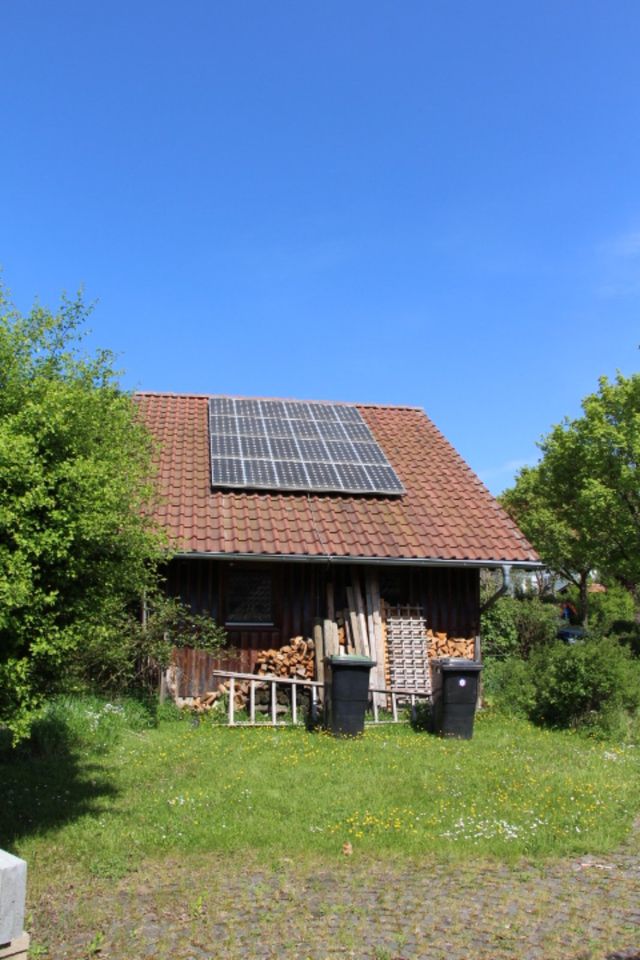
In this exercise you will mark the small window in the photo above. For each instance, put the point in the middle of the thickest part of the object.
(249, 597)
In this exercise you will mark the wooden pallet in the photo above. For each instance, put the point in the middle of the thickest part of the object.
(407, 649)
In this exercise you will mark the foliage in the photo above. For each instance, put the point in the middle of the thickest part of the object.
(593, 683)
(76, 547)
(580, 506)
(508, 686)
(512, 627)
(499, 636)
(132, 656)
(86, 722)
(606, 610)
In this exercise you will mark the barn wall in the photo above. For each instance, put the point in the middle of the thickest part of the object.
(449, 596)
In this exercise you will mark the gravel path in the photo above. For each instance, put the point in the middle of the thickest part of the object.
(584, 908)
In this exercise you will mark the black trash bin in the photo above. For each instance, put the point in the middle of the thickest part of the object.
(454, 685)
(346, 693)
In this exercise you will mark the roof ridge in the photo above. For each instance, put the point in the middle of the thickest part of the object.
(235, 396)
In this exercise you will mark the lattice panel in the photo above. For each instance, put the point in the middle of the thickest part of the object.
(407, 649)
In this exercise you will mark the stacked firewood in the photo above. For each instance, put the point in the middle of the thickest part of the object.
(295, 660)
(442, 645)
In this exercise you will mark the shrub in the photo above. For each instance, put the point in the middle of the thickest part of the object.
(593, 684)
(130, 655)
(517, 627)
(508, 686)
(498, 629)
(610, 608)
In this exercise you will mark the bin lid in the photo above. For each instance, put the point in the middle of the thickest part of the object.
(458, 663)
(350, 660)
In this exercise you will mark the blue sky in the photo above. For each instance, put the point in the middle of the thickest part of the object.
(431, 203)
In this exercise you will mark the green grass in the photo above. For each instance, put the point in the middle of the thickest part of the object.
(126, 795)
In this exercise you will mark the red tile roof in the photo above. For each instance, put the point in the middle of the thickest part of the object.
(446, 514)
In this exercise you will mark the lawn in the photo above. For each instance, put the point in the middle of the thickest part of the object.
(174, 841)
(514, 790)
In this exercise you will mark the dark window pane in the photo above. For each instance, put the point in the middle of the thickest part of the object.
(249, 597)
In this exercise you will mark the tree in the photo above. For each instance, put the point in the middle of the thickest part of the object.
(580, 506)
(77, 547)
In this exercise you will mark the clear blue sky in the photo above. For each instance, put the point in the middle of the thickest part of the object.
(432, 203)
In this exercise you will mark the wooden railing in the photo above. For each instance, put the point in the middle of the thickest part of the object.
(394, 697)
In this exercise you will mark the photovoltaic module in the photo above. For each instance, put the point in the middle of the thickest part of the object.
(296, 445)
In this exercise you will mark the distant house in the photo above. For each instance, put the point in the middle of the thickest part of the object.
(286, 514)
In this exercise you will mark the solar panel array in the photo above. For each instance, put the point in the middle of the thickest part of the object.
(296, 445)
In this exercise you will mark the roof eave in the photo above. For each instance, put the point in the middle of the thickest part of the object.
(333, 558)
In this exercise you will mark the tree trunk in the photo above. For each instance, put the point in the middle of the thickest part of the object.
(583, 603)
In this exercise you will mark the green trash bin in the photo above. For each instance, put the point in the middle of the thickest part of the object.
(454, 687)
(346, 693)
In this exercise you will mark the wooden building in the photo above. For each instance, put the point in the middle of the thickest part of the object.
(283, 513)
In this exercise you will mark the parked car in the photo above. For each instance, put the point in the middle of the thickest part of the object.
(571, 634)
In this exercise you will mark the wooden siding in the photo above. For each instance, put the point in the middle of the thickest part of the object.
(448, 595)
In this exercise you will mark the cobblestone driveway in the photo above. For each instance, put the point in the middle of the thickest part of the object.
(583, 908)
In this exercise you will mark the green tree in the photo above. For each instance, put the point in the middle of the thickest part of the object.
(580, 506)
(77, 547)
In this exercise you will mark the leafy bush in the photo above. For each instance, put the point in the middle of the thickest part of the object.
(508, 686)
(606, 609)
(517, 627)
(593, 684)
(78, 544)
(498, 629)
(131, 654)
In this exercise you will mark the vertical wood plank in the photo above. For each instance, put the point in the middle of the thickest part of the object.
(376, 612)
(360, 614)
(353, 621)
(319, 644)
(232, 700)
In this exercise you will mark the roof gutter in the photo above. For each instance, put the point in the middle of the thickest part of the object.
(375, 561)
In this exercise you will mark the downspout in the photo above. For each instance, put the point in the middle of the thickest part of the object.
(505, 588)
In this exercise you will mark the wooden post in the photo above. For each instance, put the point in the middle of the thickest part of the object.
(294, 702)
(252, 701)
(360, 614)
(353, 622)
(319, 641)
(376, 614)
(375, 640)
(274, 703)
(232, 700)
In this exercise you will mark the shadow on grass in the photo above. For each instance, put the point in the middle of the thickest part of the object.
(46, 784)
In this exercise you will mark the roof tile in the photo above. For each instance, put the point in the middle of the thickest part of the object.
(446, 513)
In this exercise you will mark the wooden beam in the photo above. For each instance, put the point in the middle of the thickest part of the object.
(353, 622)
(360, 614)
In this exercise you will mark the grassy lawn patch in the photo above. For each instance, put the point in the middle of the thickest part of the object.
(179, 789)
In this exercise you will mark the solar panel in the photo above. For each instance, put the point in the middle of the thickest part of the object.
(227, 472)
(297, 446)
